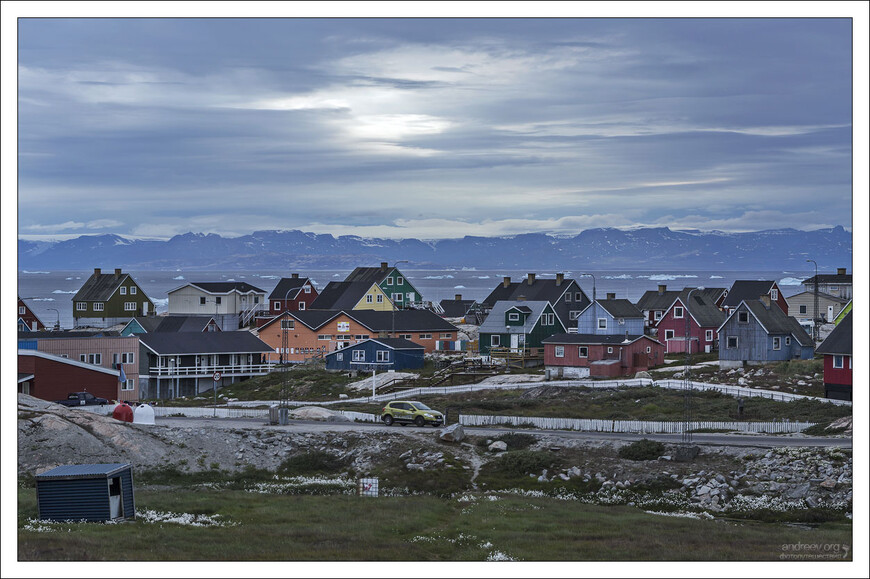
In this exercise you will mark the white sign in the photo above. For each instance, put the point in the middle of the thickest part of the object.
(368, 487)
(216, 377)
(343, 326)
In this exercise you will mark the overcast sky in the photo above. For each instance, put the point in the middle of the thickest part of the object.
(432, 128)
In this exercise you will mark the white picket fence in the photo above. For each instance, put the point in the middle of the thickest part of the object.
(630, 426)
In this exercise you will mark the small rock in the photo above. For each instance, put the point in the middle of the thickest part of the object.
(828, 484)
(704, 490)
(564, 476)
(413, 466)
(498, 446)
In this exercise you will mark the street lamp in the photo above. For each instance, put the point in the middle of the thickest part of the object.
(393, 302)
(687, 383)
(57, 324)
(815, 300)
(593, 283)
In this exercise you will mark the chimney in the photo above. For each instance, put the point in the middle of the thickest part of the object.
(531, 279)
(611, 296)
(507, 281)
(97, 271)
(117, 272)
(560, 277)
(294, 275)
(458, 297)
(765, 299)
(521, 298)
(841, 271)
(383, 266)
(662, 289)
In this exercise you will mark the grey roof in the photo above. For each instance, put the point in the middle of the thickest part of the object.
(702, 308)
(369, 274)
(831, 278)
(391, 343)
(313, 319)
(823, 295)
(340, 295)
(100, 287)
(174, 323)
(495, 321)
(540, 289)
(286, 287)
(652, 300)
(81, 471)
(405, 320)
(620, 308)
(204, 343)
(42, 334)
(747, 290)
(594, 338)
(225, 287)
(775, 321)
(839, 341)
(456, 308)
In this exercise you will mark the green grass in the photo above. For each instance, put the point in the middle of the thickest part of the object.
(409, 528)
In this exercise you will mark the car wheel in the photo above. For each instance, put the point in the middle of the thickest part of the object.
(419, 421)
(388, 420)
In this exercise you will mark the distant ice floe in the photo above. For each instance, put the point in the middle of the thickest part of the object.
(336, 275)
(65, 292)
(715, 277)
(448, 276)
(232, 279)
(161, 302)
(459, 287)
(25, 271)
(790, 281)
(623, 276)
(665, 276)
(268, 276)
(69, 278)
(178, 277)
(43, 299)
(482, 277)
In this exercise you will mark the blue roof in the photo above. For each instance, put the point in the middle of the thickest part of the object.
(72, 471)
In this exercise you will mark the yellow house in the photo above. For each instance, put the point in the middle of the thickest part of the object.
(344, 295)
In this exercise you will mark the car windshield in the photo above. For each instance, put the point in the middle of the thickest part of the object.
(421, 406)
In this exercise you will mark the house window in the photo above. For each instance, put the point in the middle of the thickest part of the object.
(390, 280)
(835, 288)
(383, 355)
(339, 357)
(83, 357)
(447, 336)
(397, 298)
(648, 349)
(276, 306)
(370, 298)
(620, 321)
(838, 361)
(288, 324)
(549, 319)
(217, 300)
(583, 351)
(95, 359)
(678, 312)
(128, 385)
(602, 323)
(132, 290)
(22, 310)
(573, 315)
(568, 297)
(578, 297)
(129, 306)
(669, 334)
(788, 340)
(731, 343)
(359, 355)
(361, 337)
(301, 306)
(81, 306)
(774, 295)
(708, 335)
(425, 336)
(777, 343)
(803, 309)
(100, 306)
(657, 315)
(609, 349)
(513, 317)
(560, 351)
(406, 336)
(495, 341)
(123, 358)
(256, 299)
(202, 301)
(399, 280)
(307, 289)
(324, 337)
(380, 299)
(743, 317)
(123, 290)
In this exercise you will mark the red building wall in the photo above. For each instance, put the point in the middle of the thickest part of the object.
(634, 356)
(842, 376)
(697, 334)
(54, 380)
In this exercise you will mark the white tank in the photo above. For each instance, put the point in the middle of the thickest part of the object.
(143, 414)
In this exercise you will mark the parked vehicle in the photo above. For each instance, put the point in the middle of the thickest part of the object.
(81, 399)
(404, 412)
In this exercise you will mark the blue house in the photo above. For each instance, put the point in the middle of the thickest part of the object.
(378, 354)
(86, 492)
(757, 333)
(610, 317)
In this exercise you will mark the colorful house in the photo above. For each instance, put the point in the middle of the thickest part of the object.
(377, 354)
(27, 320)
(600, 356)
(352, 295)
(654, 303)
(751, 290)
(518, 326)
(292, 294)
(233, 304)
(107, 299)
(837, 349)
(52, 377)
(392, 282)
(565, 295)
(838, 284)
(690, 323)
(757, 332)
(802, 306)
(610, 317)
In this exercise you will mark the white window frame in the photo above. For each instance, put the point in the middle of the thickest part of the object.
(99, 306)
(841, 359)
(728, 345)
(578, 297)
(602, 327)
(648, 349)
(81, 306)
(123, 290)
(409, 297)
(301, 306)
(400, 280)
(774, 295)
(802, 309)
(202, 300)
(397, 298)
(130, 384)
(370, 298)
(777, 343)
(573, 315)
(669, 335)
(549, 319)
(339, 356)
(359, 356)
(276, 306)
(380, 299)
(567, 297)
(609, 349)
(560, 351)
(657, 314)
(679, 312)
(95, 359)
(129, 306)
(288, 324)
(742, 314)
(513, 317)
(582, 351)
(22, 310)
(390, 280)
(306, 289)
(383, 355)
(495, 341)
(405, 336)
(447, 336)
(425, 336)
(708, 335)
(788, 340)
(133, 291)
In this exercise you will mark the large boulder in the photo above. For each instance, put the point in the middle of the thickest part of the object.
(453, 433)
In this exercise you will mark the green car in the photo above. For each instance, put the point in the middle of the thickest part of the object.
(406, 412)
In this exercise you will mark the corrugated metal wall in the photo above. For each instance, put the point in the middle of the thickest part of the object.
(81, 499)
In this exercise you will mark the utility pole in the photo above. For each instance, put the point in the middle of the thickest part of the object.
(815, 301)
(688, 417)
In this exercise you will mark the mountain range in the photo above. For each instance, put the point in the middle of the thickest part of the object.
(596, 249)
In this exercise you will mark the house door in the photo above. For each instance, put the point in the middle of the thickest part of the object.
(144, 308)
(115, 510)
(518, 342)
(830, 314)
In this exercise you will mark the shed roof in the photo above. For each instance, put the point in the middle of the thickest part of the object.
(839, 341)
(340, 295)
(620, 308)
(204, 342)
(405, 320)
(391, 343)
(456, 308)
(831, 278)
(702, 308)
(744, 289)
(225, 287)
(595, 339)
(653, 300)
(83, 471)
(100, 287)
(288, 287)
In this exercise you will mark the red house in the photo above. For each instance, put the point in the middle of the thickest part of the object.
(600, 355)
(695, 314)
(292, 294)
(51, 377)
(837, 349)
(27, 320)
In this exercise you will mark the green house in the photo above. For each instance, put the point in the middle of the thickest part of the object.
(107, 299)
(392, 281)
(519, 325)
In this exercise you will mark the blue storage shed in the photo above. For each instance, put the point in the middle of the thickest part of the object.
(377, 354)
(86, 492)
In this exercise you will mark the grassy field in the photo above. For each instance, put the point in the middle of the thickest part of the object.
(245, 526)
